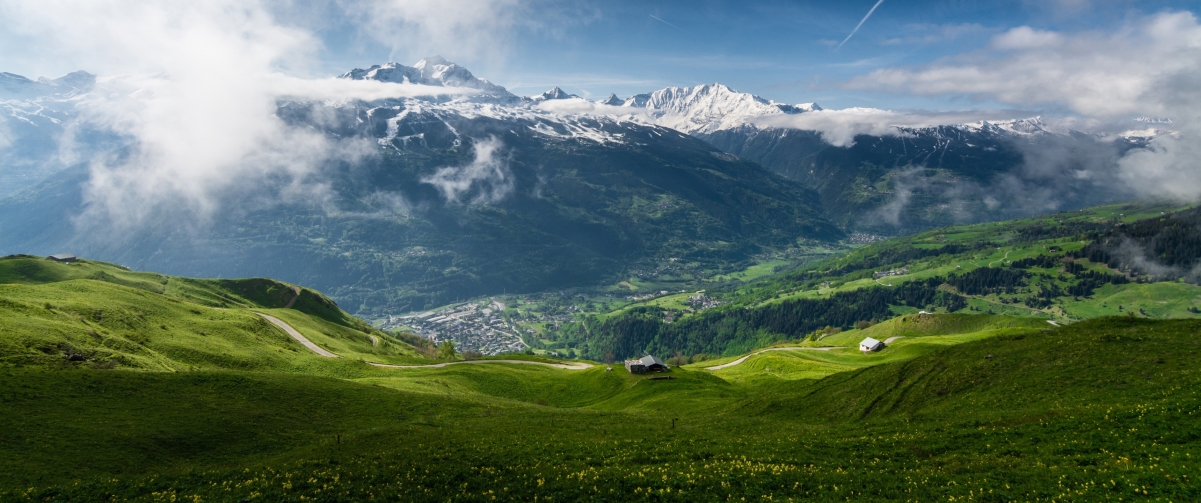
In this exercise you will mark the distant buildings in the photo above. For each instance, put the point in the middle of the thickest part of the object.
(892, 272)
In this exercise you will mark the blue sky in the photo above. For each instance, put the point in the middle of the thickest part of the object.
(782, 50)
(786, 50)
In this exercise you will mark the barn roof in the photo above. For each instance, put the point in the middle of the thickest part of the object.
(63, 256)
(870, 342)
(649, 360)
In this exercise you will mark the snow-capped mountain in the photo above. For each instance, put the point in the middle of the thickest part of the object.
(707, 108)
(440, 155)
(13, 86)
(432, 71)
(612, 101)
(554, 94)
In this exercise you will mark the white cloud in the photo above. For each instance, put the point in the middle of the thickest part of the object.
(935, 33)
(488, 175)
(1150, 66)
(840, 127)
(477, 31)
(1025, 37)
(1170, 166)
(574, 106)
(1129, 72)
(197, 100)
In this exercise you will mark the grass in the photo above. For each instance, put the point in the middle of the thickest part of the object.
(1102, 410)
(91, 314)
(918, 335)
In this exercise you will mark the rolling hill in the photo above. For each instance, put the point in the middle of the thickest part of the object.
(94, 315)
(1053, 268)
(1103, 409)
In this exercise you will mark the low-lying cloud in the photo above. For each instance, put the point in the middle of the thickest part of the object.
(1149, 67)
(193, 90)
(573, 106)
(840, 127)
(487, 179)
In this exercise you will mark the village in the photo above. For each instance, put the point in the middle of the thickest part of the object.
(471, 327)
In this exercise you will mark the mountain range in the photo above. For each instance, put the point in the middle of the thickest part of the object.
(472, 194)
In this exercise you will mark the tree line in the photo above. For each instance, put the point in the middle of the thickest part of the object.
(1160, 248)
(735, 330)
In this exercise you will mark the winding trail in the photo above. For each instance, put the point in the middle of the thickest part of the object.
(296, 335)
(295, 290)
(565, 366)
(1002, 258)
(793, 348)
(893, 338)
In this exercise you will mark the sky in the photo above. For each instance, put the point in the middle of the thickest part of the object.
(788, 51)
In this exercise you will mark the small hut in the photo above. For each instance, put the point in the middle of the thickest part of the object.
(869, 344)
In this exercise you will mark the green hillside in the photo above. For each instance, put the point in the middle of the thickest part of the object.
(98, 315)
(1049, 268)
(1102, 410)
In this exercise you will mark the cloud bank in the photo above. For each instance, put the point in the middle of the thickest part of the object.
(839, 127)
(195, 97)
(574, 106)
(1149, 66)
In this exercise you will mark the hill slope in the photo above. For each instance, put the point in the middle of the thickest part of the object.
(1103, 410)
(97, 315)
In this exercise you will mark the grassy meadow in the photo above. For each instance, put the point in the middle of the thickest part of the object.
(1103, 410)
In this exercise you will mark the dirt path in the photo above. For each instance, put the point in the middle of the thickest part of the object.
(296, 335)
(565, 366)
(1002, 259)
(890, 339)
(374, 341)
(1052, 322)
(295, 290)
(743, 359)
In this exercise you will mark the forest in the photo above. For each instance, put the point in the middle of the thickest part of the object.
(739, 329)
(1158, 249)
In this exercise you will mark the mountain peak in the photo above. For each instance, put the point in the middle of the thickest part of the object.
(430, 71)
(555, 94)
(612, 100)
(709, 107)
(431, 61)
(15, 85)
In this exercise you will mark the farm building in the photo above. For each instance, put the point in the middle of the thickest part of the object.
(65, 258)
(869, 344)
(646, 364)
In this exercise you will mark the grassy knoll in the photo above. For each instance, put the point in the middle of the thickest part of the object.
(1104, 410)
(91, 314)
(915, 335)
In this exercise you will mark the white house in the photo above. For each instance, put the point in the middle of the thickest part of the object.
(869, 344)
